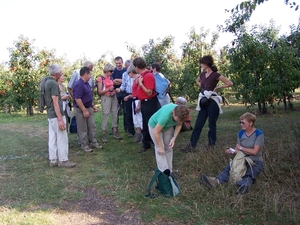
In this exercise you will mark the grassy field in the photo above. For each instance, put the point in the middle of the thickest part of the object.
(33, 193)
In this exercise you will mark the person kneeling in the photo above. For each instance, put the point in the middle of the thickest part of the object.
(247, 163)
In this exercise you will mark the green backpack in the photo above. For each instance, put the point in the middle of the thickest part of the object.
(167, 185)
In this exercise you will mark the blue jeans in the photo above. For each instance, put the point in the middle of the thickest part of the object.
(247, 179)
(212, 113)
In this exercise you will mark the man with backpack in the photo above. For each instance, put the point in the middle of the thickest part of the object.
(58, 138)
(162, 84)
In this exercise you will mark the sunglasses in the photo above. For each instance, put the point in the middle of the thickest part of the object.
(241, 122)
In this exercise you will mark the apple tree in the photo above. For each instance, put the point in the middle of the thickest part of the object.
(24, 78)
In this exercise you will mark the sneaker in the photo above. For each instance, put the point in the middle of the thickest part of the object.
(137, 138)
(210, 182)
(130, 135)
(243, 189)
(188, 148)
(104, 139)
(96, 145)
(66, 164)
(116, 135)
(87, 149)
(53, 163)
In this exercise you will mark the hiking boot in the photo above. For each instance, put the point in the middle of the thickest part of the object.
(53, 163)
(210, 182)
(209, 147)
(137, 138)
(188, 148)
(87, 149)
(104, 139)
(116, 135)
(143, 150)
(96, 145)
(243, 189)
(66, 164)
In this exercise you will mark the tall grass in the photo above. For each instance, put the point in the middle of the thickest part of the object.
(118, 171)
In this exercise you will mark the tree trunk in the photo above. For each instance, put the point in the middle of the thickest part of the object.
(284, 102)
(29, 110)
(259, 107)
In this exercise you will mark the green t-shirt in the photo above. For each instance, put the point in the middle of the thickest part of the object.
(163, 117)
(52, 89)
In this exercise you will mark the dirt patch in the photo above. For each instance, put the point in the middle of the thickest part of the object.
(93, 209)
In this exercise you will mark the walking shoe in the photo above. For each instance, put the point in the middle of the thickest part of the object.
(243, 189)
(87, 149)
(188, 148)
(210, 182)
(137, 138)
(53, 163)
(116, 135)
(104, 139)
(96, 145)
(143, 150)
(209, 147)
(66, 164)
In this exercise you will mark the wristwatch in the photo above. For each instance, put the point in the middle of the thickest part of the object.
(241, 148)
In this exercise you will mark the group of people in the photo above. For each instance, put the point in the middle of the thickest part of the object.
(149, 119)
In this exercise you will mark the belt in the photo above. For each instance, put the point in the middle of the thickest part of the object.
(128, 93)
(147, 99)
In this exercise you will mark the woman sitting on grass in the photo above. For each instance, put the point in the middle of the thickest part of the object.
(250, 142)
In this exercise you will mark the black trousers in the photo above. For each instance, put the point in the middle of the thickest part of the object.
(128, 116)
(148, 108)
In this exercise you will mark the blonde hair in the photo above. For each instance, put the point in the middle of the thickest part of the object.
(108, 67)
(249, 117)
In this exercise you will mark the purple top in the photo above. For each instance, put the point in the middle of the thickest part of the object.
(83, 91)
(209, 83)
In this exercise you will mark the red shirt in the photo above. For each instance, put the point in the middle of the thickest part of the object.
(134, 88)
(149, 83)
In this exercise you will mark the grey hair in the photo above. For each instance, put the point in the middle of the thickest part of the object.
(54, 69)
(181, 100)
(88, 64)
(108, 67)
(131, 69)
(128, 61)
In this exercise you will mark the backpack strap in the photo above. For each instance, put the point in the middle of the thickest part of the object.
(157, 172)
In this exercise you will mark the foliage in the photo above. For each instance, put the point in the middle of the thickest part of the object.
(243, 12)
(264, 67)
(24, 83)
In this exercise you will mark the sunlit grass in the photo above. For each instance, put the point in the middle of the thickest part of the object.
(28, 185)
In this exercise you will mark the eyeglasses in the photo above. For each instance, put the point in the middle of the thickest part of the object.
(241, 122)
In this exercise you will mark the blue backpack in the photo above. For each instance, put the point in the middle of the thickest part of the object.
(161, 85)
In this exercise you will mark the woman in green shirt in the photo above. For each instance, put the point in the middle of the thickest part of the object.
(161, 129)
